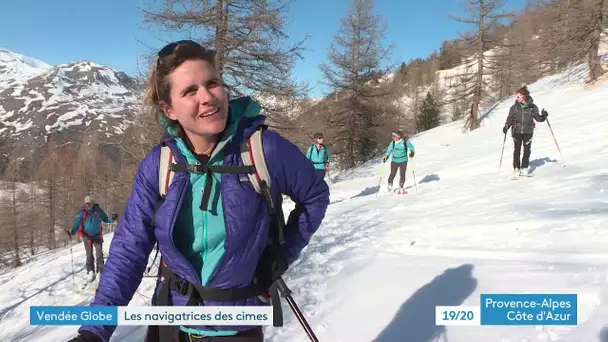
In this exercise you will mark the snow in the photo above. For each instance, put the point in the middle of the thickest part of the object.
(377, 267)
(118, 130)
(100, 88)
(63, 125)
(446, 79)
(20, 66)
(20, 126)
(5, 187)
(98, 97)
(60, 83)
(18, 90)
(5, 114)
(71, 114)
(603, 49)
(84, 67)
(67, 119)
(34, 96)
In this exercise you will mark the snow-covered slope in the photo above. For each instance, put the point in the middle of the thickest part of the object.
(449, 82)
(378, 266)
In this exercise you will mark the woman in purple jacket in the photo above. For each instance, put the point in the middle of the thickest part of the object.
(212, 227)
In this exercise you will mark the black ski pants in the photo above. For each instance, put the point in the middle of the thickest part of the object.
(394, 167)
(93, 259)
(321, 173)
(520, 139)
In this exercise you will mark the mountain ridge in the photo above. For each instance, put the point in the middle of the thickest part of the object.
(75, 102)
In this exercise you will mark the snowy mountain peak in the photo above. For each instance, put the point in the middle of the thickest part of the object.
(89, 78)
(79, 99)
(14, 65)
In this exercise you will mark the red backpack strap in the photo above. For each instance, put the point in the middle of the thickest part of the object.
(85, 214)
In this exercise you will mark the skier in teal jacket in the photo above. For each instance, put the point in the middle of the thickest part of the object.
(398, 147)
(319, 155)
(88, 226)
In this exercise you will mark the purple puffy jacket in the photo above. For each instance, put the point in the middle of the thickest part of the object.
(246, 221)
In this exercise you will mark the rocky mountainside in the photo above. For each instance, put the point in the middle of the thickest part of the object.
(74, 102)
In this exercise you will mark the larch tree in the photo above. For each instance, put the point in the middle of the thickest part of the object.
(250, 40)
(354, 73)
(485, 16)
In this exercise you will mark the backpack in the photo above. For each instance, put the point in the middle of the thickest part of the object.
(404, 141)
(272, 262)
(324, 148)
(81, 233)
(80, 230)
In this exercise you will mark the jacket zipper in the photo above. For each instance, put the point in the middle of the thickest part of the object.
(204, 221)
(402, 143)
(172, 226)
(522, 120)
(219, 264)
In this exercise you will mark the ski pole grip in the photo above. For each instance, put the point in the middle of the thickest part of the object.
(285, 291)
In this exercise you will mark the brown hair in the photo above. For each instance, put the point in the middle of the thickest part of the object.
(524, 91)
(159, 88)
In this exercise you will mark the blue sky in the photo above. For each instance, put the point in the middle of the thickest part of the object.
(110, 32)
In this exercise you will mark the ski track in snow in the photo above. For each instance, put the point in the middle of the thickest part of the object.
(377, 267)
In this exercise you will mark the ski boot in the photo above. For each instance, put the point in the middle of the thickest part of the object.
(90, 276)
(515, 174)
(526, 172)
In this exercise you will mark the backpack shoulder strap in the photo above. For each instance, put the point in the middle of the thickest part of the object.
(85, 214)
(252, 153)
(165, 174)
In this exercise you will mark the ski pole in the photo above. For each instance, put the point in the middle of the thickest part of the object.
(555, 140)
(331, 186)
(501, 153)
(153, 260)
(286, 293)
(72, 255)
(414, 173)
(380, 181)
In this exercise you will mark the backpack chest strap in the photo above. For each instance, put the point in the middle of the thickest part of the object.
(203, 169)
(208, 170)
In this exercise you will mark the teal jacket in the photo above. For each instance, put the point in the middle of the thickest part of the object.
(318, 157)
(200, 234)
(400, 150)
(91, 226)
